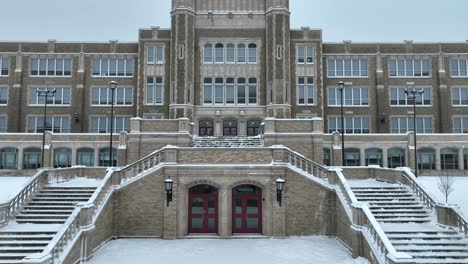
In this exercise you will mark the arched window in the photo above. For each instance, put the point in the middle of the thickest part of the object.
(85, 157)
(230, 53)
(252, 90)
(219, 53)
(426, 159)
(352, 157)
(396, 157)
(230, 128)
(104, 157)
(205, 128)
(207, 91)
(326, 157)
(31, 158)
(241, 53)
(374, 157)
(449, 159)
(253, 128)
(252, 53)
(208, 53)
(8, 158)
(62, 157)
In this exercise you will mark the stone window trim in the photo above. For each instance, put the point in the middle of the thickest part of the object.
(237, 101)
(35, 71)
(459, 96)
(126, 72)
(4, 94)
(4, 66)
(354, 124)
(361, 73)
(65, 121)
(3, 123)
(107, 102)
(158, 50)
(407, 103)
(156, 84)
(458, 67)
(307, 59)
(305, 116)
(125, 123)
(153, 116)
(305, 83)
(406, 68)
(363, 101)
(52, 101)
(225, 43)
(460, 124)
(409, 122)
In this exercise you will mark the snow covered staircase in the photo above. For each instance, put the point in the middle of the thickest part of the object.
(227, 142)
(409, 225)
(16, 244)
(53, 205)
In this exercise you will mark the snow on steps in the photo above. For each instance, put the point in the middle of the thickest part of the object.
(227, 142)
(408, 224)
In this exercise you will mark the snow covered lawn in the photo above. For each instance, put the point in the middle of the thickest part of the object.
(11, 186)
(458, 196)
(305, 250)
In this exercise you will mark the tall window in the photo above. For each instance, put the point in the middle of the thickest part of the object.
(305, 90)
(426, 159)
(241, 53)
(230, 53)
(3, 95)
(113, 67)
(208, 53)
(31, 158)
(347, 68)
(154, 54)
(396, 157)
(352, 157)
(4, 66)
(51, 67)
(252, 53)
(352, 96)
(101, 124)
(374, 157)
(353, 125)
(230, 91)
(460, 96)
(459, 68)
(305, 55)
(326, 157)
(103, 96)
(219, 53)
(56, 124)
(85, 157)
(253, 128)
(449, 159)
(410, 68)
(154, 90)
(398, 97)
(104, 157)
(206, 128)
(401, 125)
(62, 97)
(62, 158)
(460, 125)
(3, 124)
(8, 158)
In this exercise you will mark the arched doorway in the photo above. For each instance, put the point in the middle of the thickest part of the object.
(203, 209)
(230, 128)
(246, 209)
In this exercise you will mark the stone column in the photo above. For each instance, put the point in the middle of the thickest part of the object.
(461, 165)
(19, 159)
(362, 154)
(384, 158)
(224, 211)
(437, 158)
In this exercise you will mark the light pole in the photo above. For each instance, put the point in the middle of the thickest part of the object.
(341, 86)
(112, 85)
(412, 95)
(44, 92)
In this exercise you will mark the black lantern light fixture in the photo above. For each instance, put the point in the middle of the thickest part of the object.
(168, 183)
(280, 183)
(412, 94)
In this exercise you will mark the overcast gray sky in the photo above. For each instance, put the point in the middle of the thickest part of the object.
(357, 20)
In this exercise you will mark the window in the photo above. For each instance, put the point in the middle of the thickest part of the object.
(101, 124)
(103, 96)
(208, 53)
(206, 128)
(352, 96)
(3, 95)
(104, 157)
(279, 52)
(154, 55)
(326, 157)
(460, 125)
(31, 158)
(352, 157)
(305, 55)
(410, 68)
(61, 97)
(230, 128)
(401, 125)
(154, 90)
(225, 91)
(56, 124)
(219, 53)
(460, 96)
(398, 97)
(8, 158)
(253, 128)
(241, 53)
(3, 124)
(459, 68)
(374, 157)
(347, 68)
(85, 157)
(449, 159)
(230, 53)
(4, 66)
(396, 157)
(426, 159)
(51, 67)
(153, 116)
(252, 53)
(112, 67)
(353, 125)
(62, 158)
(305, 90)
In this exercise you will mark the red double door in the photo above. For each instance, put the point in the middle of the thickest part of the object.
(203, 209)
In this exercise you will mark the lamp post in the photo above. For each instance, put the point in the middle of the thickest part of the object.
(412, 94)
(168, 183)
(112, 85)
(341, 86)
(44, 92)
(280, 183)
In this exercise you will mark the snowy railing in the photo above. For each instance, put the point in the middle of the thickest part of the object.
(148, 162)
(11, 208)
(418, 190)
(299, 161)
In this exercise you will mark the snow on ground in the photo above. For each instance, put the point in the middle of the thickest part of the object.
(459, 195)
(11, 186)
(78, 181)
(305, 250)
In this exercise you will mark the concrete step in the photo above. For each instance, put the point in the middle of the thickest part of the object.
(50, 207)
(429, 254)
(13, 256)
(42, 216)
(439, 261)
(405, 220)
(406, 236)
(60, 190)
(66, 198)
(64, 194)
(46, 211)
(22, 249)
(429, 242)
(377, 215)
(17, 237)
(40, 221)
(413, 248)
(24, 243)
